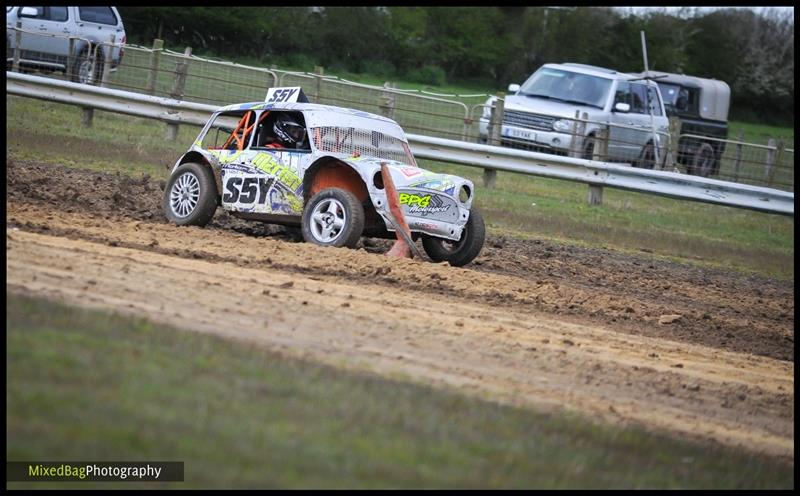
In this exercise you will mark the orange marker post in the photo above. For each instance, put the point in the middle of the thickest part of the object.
(400, 247)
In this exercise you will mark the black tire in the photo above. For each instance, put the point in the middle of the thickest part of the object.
(82, 70)
(462, 252)
(647, 158)
(194, 199)
(323, 210)
(588, 148)
(703, 161)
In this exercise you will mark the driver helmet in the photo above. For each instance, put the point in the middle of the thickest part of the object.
(289, 130)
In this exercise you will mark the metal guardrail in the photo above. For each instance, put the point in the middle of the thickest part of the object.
(596, 174)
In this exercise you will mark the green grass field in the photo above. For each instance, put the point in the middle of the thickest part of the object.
(90, 385)
(522, 206)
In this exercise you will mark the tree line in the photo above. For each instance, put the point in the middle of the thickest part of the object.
(495, 46)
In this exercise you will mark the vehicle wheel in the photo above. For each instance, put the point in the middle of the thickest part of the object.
(82, 71)
(333, 217)
(647, 159)
(703, 163)
(462, 252)
(190, 197)
(588, 148)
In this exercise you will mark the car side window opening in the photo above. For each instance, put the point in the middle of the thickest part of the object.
(623, 93)
(282, 130)
(240, 137)
(639, 99)
(100, 15)
(58, 14)
(221, 130)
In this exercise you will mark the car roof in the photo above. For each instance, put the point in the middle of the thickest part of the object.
(594, 70)
(318, 115)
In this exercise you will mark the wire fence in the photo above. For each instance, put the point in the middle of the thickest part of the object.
(183, 76)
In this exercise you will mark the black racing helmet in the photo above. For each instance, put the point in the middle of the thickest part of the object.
(289, 130)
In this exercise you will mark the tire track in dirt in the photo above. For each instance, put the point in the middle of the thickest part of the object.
(722, 309)
(516, 355)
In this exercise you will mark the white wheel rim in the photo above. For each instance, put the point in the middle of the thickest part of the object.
(185, 194)
(328, 220)
(85, 75)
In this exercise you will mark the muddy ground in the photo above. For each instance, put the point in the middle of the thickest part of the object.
(722, 309)
(700, 352)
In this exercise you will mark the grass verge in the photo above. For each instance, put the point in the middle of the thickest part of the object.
(90, 385)
(522, 206)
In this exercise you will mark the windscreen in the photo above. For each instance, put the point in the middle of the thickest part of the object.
(567, 86)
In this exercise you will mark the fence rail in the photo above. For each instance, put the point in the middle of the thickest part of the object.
(160, 72)
(596, 174)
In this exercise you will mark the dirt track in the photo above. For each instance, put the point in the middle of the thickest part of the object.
(529, 322)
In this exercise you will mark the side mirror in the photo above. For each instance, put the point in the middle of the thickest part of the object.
(29, 12)
(622, 107)
(513, 88)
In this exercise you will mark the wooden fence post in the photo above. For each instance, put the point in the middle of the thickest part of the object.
(778, 157)
(87, 116)
(319, 72)
(387, 103)
(599, 153)
(18, 40)
(178, 87)
(494, 136)
(107, 62)
(573, 133)
(671, 160)
(71, 56)
(152, 78)
(737, 161)
(769, 169)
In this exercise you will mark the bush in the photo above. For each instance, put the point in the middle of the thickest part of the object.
(428, 74)
(296, 61)
(379, 68)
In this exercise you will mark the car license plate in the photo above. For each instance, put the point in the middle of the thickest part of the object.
(517, 133)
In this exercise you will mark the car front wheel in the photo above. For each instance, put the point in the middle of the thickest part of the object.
(461, 252)
(333, 217)
(190, 198)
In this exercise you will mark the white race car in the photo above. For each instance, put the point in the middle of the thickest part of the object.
(290, 162)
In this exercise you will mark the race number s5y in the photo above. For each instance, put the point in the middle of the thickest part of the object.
(247, 189)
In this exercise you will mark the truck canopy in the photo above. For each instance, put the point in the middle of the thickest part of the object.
(715, 95)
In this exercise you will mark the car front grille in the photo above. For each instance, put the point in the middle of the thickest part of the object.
(527, 120)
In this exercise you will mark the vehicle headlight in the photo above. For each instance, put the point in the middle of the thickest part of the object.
(562, 126)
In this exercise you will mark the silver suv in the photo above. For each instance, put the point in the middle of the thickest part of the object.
(539, 115)
(44, 39)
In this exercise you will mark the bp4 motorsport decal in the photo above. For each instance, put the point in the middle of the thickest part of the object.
(417, 203)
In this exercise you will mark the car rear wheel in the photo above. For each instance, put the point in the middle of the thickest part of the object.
(190, 197)
(86, 70)
(647, 159)
(333, 217)
(703, 163)
(461, 252)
